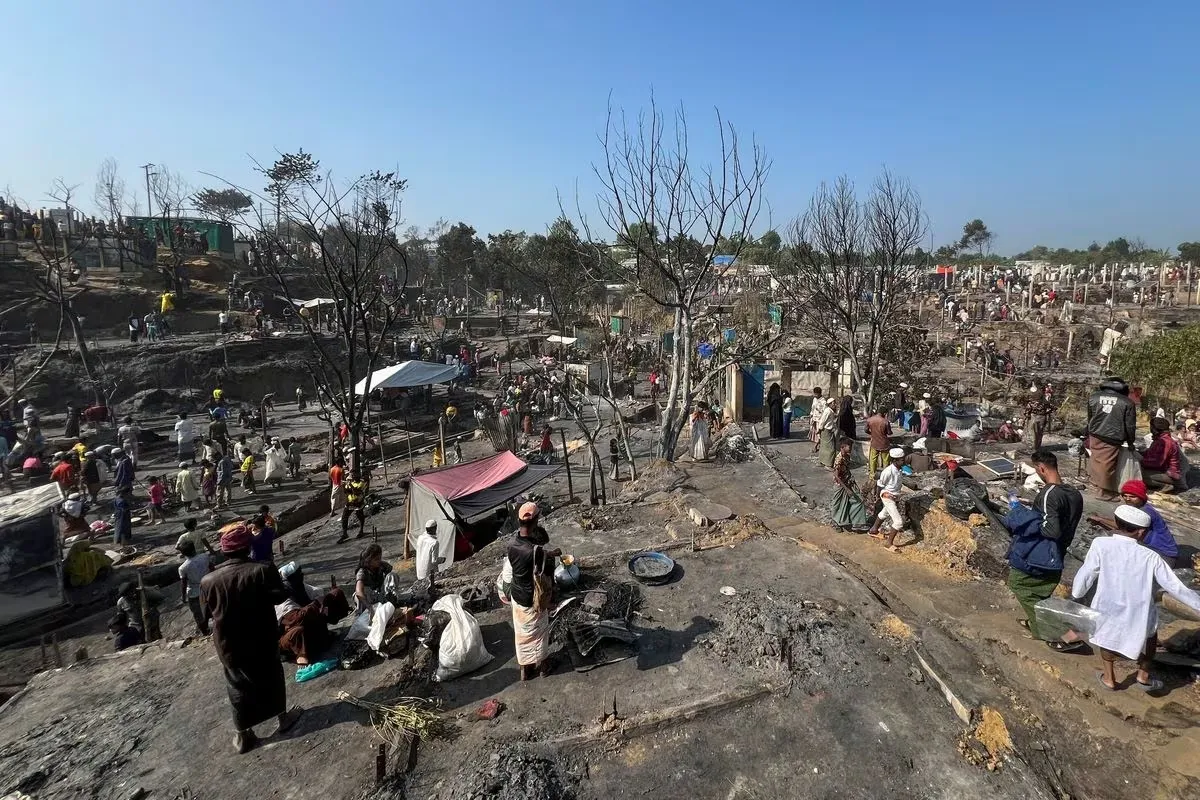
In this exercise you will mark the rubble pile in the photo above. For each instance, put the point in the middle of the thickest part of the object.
(777, 633)
(514, 772)
(731, 531)
(731, 445)
(657, 476)
(947, 543)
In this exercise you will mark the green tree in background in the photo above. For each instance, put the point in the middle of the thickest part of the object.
(976, 236)
(1166, 365)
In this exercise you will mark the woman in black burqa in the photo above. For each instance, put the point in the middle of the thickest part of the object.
(846, 422)
(775, 410)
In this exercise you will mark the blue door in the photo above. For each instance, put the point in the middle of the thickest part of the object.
(752, 392)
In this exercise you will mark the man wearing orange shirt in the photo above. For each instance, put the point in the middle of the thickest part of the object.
(337, 495)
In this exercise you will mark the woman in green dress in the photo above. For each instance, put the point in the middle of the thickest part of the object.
(848, 510)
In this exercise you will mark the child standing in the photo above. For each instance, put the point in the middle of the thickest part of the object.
(208, 482)
(248, 474)
(158, 496)
(194, 567)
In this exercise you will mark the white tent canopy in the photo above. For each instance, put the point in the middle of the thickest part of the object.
(408, 375)
(314, 303)
(556, 339)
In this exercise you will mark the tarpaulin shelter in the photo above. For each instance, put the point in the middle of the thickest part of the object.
(30, 555)
(408, 375)
(467, 490)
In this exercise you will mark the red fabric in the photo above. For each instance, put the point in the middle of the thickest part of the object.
(63, 475)
(474, 476)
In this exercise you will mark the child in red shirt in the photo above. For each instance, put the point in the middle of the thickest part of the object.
(158, 496)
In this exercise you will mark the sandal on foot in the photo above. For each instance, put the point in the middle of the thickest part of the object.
(244, 742)
(1100, 680)
(1155, 685)
(1065, 647)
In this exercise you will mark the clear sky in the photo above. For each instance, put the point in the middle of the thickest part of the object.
(1055, 122)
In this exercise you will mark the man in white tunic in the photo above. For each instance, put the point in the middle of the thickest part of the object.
(1124, 573)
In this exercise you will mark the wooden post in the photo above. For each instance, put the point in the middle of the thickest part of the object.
(382, 460)
(442, 437)
(1070, 342)
(141, 587)
(567, 461)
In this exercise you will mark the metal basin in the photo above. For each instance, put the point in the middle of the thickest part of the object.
(651, 567)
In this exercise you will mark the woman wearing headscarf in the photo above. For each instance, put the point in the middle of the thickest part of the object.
(846, 423)
(848, 510)
(700, 433)
(531, 591)
(775, 410)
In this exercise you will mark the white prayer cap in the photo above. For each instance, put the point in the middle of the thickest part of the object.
(430, 524)
(1033, 388)
(896, 452)
(1132, 515)
(926, 395)
(903, 385)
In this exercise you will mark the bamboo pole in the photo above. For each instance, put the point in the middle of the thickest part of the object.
(567, 461)
(141, 587)
(382, 460)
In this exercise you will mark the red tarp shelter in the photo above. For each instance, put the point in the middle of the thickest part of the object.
(467, 490)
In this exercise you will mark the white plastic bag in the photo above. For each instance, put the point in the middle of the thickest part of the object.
(1129, 468)
(504, 582)
(461, 650)
(360, 627)
(379, 623)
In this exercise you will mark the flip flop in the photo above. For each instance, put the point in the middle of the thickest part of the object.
(1100, 680)
(1065, 647)
(1154, 685)
(878, 536)
(245, 743)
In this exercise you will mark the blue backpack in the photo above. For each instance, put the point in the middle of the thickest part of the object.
(1030, 552)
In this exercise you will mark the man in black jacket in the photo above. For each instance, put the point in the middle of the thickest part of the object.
(1060, 508)
(1112, 421)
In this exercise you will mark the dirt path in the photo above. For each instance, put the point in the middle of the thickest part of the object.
(977, 619)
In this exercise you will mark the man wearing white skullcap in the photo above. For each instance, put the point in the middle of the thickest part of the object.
(1124, 573)
(428, 552)
(889, 493)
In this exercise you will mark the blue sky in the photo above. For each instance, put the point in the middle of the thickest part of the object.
(1056, 123)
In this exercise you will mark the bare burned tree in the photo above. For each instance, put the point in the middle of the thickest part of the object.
(341, 243)
(109, 194)
(849, 269)
(51, 280)
(171, 195)
(668, 211)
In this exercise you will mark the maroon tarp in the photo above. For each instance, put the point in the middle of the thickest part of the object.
(474, 476)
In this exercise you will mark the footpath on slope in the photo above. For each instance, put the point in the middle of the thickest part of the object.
(968, 636)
